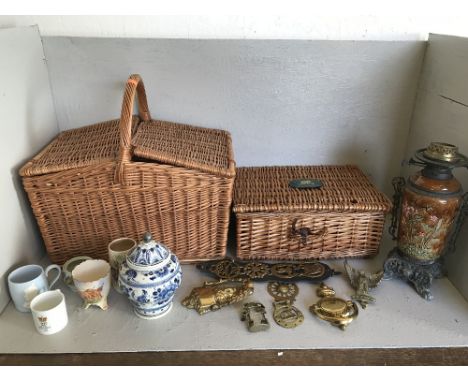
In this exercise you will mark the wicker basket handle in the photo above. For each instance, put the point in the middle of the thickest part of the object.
(133, 87)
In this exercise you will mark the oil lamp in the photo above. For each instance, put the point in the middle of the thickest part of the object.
(428, 212)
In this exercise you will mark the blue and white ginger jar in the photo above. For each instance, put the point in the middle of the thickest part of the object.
(149, 277)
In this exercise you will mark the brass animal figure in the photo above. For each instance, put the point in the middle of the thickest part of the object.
(214, 295)
(361, 282)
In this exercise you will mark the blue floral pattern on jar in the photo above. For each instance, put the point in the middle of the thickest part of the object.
(149, 277)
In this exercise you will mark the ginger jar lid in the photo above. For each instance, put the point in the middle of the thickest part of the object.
(148, 252)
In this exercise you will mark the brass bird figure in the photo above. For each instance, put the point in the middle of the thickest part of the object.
(361, 282)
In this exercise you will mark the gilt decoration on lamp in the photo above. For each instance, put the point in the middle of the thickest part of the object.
(429, 210)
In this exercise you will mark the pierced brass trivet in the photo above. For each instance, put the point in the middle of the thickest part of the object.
(336, 311)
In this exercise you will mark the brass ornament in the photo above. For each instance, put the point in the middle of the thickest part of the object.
(283, 291)
(361, 282)
(285, 314)
(225, 270)
(214, 295)
(336, 311)
(229, 269)
(253, 313)
(256, 270)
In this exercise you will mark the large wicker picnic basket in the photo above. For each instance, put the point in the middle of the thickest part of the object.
(279, 217)
(124, 177)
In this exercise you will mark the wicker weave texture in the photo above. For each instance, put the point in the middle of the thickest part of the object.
(345, 188)
(77, 148)
(80, 209)
(343, 218)
(269, 236)
(173, 143)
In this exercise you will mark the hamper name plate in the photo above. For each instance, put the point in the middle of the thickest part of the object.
(305, 183)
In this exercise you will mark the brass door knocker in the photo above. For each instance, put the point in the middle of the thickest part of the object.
(285, 314)
(336, 311)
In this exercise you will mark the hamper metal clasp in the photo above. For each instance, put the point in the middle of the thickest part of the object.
(305, 232)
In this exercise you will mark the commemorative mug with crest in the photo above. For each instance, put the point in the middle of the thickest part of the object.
(49, 312)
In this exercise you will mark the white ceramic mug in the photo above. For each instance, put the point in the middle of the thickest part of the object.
(118, 250)
(49, 312)
(27, 282)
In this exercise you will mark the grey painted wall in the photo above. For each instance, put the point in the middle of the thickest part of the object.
(441, 114)
(27, 123)
(285, 102)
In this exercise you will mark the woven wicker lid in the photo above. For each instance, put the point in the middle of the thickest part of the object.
(207, 150)
(344, 188)
(85, 146)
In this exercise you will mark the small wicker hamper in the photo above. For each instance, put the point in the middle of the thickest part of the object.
(344, 217)
(125, 177)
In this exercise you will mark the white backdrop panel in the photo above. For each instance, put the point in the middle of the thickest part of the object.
(285, 102)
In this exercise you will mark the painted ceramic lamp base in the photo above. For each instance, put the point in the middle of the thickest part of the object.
(153, 314)
(398, 266)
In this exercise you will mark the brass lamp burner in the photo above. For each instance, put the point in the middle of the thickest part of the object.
(442, 151)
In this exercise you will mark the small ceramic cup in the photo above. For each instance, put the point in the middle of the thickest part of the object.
(118, 250)
(92, 282)
(49, 312)
(27, 282)
(68, 267)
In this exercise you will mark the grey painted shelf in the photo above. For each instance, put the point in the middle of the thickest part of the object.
(399, 319)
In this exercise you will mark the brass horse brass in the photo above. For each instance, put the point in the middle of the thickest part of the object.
(283, 291)
(285, 314)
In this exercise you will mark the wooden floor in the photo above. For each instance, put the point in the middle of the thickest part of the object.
(419, 356)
